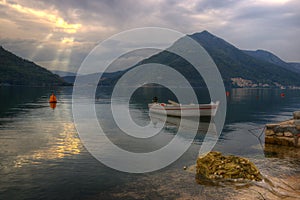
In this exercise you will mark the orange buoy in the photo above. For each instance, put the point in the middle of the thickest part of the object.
(282, 95)
(52, 99)
(227, 94)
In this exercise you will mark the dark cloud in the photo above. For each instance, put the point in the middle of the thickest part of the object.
(216, 4)
(246, 24)
(107, 12)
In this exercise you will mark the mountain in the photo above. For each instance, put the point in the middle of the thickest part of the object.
(63, 73)
(18, 71)
(296, 66)
(69, 79)
(271, 58)
(237, 67)
(233, 62)
(107, 79)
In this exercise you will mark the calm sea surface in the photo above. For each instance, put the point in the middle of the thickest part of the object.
(42, 157)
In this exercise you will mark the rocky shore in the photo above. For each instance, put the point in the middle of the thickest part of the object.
(286, 133)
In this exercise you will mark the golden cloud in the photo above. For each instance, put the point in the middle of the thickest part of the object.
(67, 40)
(59, 24)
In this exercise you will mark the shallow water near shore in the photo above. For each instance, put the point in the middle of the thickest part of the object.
(42, 157)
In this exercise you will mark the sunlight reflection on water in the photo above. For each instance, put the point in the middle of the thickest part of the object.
(67, 144)
(41, 155)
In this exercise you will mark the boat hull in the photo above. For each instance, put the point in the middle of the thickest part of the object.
(201, 110)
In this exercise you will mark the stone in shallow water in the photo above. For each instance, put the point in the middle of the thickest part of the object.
(284, 141)
(279, 134)
(214, 165)
(288, 134)
(269, 132)
(297, 122)
(296, 115)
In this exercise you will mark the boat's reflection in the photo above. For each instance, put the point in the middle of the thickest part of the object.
(202, 125)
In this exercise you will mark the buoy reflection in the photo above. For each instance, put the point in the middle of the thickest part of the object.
(52, 105)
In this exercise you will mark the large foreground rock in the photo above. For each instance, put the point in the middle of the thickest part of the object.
(214, 165)
(286, 133)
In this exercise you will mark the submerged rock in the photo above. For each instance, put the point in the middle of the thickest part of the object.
(214, 165)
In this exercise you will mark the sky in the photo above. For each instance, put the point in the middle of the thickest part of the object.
(59, 34)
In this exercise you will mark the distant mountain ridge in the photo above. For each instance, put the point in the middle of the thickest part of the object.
(238, 68)
(63, 73)
(296, 66)
(106, 78)
(15, 70)
(271, 58)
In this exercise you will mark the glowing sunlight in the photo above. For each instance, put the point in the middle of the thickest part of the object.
(56, 21)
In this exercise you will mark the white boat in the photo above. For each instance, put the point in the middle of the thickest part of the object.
(184, 110)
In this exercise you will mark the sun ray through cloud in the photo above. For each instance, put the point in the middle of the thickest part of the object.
(40, 46)
(58, 25)
(48, 26)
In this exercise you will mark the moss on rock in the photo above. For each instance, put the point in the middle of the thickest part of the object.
(214, 165)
